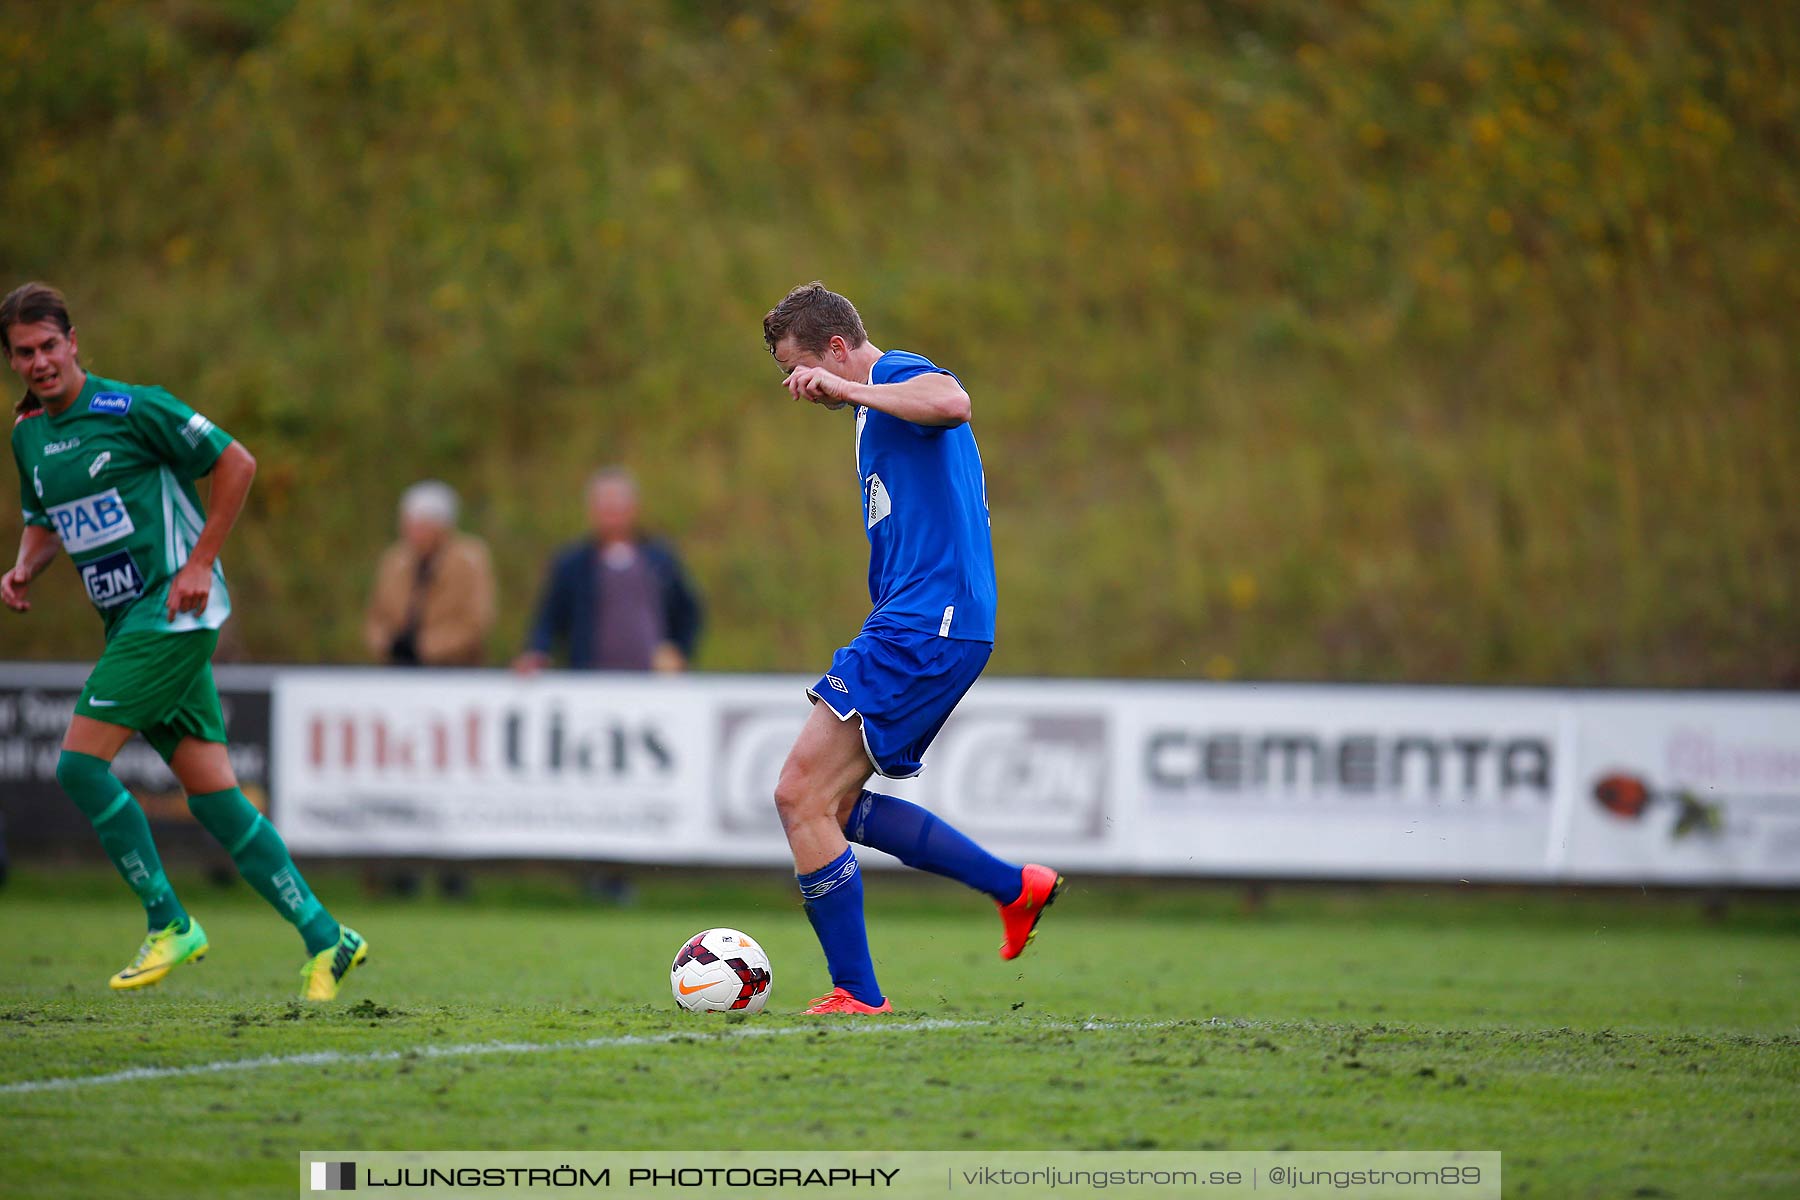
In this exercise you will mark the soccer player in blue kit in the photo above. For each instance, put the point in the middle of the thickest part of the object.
(931, 584)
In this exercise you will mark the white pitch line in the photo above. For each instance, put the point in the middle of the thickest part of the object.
(468, 1049)
(326, 1058)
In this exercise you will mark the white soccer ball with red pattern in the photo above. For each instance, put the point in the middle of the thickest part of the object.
(720, 970)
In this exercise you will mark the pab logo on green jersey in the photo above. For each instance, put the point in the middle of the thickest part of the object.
(112, 580)
(92, 521)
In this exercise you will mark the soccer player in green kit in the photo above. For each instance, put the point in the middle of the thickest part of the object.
(106, 472)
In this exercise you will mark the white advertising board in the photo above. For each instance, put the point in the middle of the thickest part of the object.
(1203, 779)
(1685, 789)
(1348, 782)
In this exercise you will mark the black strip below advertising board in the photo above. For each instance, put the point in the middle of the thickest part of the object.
(36, 701)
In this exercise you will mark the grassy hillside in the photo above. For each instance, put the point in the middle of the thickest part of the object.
(1384, 340)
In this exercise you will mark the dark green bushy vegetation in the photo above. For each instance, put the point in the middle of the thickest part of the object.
(1387, 340)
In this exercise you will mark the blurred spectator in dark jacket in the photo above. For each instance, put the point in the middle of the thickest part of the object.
(617, 601)
(433, 602)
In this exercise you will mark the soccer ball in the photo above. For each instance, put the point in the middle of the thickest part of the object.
(720, 970)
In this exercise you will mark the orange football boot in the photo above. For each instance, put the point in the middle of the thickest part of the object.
(1020, 918)
(840, 1001)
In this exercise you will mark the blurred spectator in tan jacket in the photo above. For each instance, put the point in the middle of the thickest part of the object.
(433, 602)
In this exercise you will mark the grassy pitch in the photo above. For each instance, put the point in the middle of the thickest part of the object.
(1612, 1046)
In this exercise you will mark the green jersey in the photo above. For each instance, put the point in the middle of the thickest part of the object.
(113, 476)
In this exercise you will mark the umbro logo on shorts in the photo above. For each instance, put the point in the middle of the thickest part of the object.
(837, 683)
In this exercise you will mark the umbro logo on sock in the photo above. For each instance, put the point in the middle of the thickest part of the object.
(845, 873)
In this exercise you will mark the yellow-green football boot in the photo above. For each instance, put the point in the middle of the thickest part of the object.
(163, 950)
(324, 971)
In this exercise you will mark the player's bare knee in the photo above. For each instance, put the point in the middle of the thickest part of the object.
(795, 798)
(803, 795)
(202, 767)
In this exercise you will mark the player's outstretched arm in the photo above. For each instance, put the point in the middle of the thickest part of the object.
(37, 549)
(231, 476)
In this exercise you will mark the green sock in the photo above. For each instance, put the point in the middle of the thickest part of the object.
(262, 858)
(124, 833)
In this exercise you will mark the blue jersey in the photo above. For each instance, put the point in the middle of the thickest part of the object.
(931, 559)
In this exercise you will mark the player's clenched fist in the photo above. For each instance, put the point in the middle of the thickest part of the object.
(13, 587)
(819, 386)
(190, 589)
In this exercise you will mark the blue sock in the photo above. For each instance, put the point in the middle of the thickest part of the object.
(919, 839)
(834, 905)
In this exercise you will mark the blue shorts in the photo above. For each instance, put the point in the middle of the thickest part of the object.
(904, 685)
